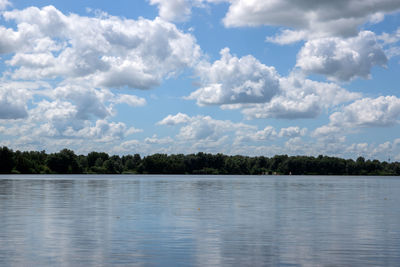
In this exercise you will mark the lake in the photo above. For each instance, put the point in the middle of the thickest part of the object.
(129, 220)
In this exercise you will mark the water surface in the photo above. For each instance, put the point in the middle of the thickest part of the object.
(199, 221)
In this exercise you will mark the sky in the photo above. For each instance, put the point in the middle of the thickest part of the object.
(295, 77)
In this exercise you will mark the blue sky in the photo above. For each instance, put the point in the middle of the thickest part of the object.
(184, 76)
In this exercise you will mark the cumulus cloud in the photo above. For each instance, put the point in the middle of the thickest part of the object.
(387, 151)
(14, 97)
(10, 40)
(391, 42)
(383, 111)
(268, 133)
(83, 58)
(70, 111)
(292, 132)
(304, 19)
(205, 132)
(287, 36)
(175, 119)
(154, 140)
(173, 10)
(179, 10)
(89, 102)
(390, 38)
(359, 148)
(51, 136)
(4, 4)
(110, 51)
(103, 131)
(129, 146)
(202, 127)
(321, 18)
(261, 92)
(13, 103)
(131, 100)
(250, 135)
(56, 124)
(53, 118)
(342, 59)
(393, 51)
(232, 80)
(369, 112)
(92, 103)
(265, 134)
(300, 98)
(326, 131)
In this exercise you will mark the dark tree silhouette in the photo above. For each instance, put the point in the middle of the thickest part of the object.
(66, 161)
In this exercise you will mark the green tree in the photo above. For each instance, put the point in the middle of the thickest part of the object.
(6, 160)
(23, 163)
(92, 158)
(65, 162)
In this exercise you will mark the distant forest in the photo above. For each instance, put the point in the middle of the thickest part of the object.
(67, 162)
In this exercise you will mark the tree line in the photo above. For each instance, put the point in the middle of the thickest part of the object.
(67, 162)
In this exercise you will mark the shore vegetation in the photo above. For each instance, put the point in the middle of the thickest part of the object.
(67, 162)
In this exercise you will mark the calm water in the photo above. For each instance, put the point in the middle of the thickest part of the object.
(199, 221)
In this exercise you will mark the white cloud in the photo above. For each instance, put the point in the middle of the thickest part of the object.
(4, 4)
(260, 92)
(13, 103)
(173, 10)
(321, 18)
(56, 117)
(363, 149)
(326, 131)
(154, 140)
(369, 112)
(82, 58)
(383, 111)
(203, 133)
(300, 98)
(292, 132)
(71, 115)
(287, 37)
(100, 135)
(265, 134)
(131, 100)
(38, 60)
(390, 38)
(391, 42)
(342, 59)
(384, 148)
(89, 102)
(103, 131)
(175, 119)
(109, 51)
(179, 10)
(305, 19)
(268, 133)
(14, 97)
(10, 40)
(232, 80)
(297, 146)
(285, 108)
(393, 51)
(130, 146)
(203, 127)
